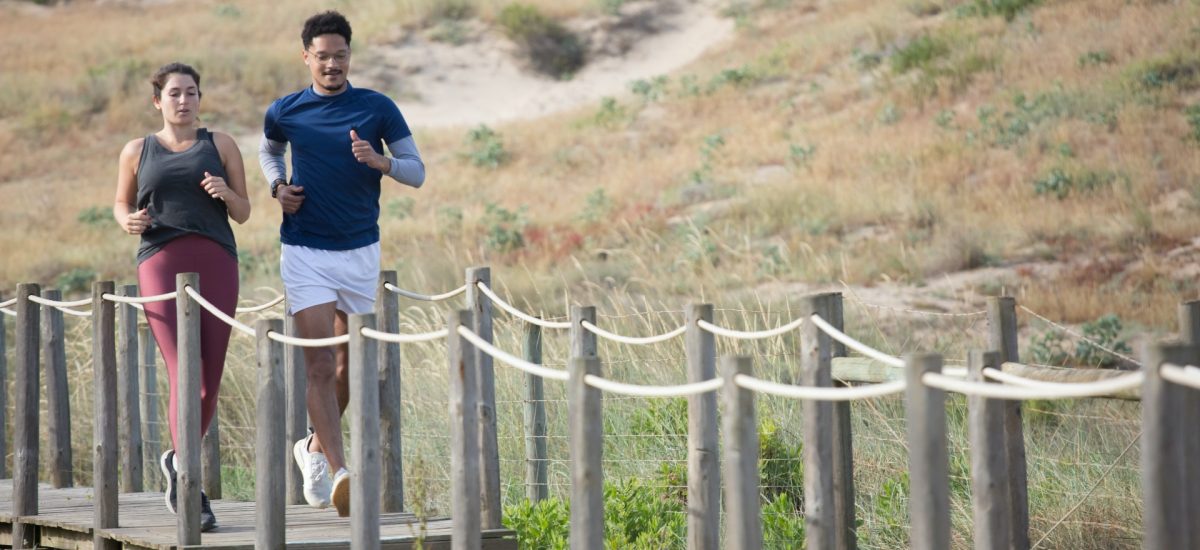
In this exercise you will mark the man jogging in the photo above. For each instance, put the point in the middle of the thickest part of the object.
(330, 231)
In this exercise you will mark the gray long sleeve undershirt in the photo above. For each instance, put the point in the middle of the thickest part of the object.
(407, 167)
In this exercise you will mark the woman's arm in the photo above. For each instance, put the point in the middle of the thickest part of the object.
(232, 189)
(125, 211)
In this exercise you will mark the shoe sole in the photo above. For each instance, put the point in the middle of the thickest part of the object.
(162, 465)
(298, 451)
(341, 495)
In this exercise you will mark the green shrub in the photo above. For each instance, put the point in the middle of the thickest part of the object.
(666, 417)
(920, 53)
(1178, 69)
(545, 525)
(76, 280)
(1009, 9)
(649, 90)
(781, 465)
(1093, 57)
(505, 228)
(1060, 183)
(1193, 117)
(551, 48)
(783, 526)
(639, 517)
(1053, 348)
(401, 208)
(94, 216)
(598, 206)
(485, 147)
(610, 113)
(800, 154)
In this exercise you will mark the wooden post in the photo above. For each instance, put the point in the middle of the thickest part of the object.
(704, 473)
(1189, 331)
(148, 397)
(130, 416)
(1165, 515)
(271, 455)
(844, 517)
(816, 359)
(187, 504)
(928, 460)
(387, 316)
(582, 341)
(104, 465)
(743, 510)
(3, 398)
(989, 468)
(1002, 336)
(537, 486)
(586, 441)
(464, 436)
(58, 400)
(26, 416)
(210, 458)
(365, 467)
(297, 408)
(489, 481)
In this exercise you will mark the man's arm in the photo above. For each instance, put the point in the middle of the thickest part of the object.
(406, 164)
(270, 157)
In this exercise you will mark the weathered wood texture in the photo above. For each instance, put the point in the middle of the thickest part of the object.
(537, 486)
(152, 435)
(1165, 516)
(58, 400)
(704, 465)
(743, 511)
(816, 355)
(130, 414)
(1189, 333)
(3, 396)
(1002, 337)
(582, 341)
(187, 315)
(586, 441)
(489, 480)
(989, 463)
(464, 435)
(365, 467)
(297, 408)
(26, 414)
(271, 454)
(105, 458)
(844, 516)
(387, 316)
(928, 459)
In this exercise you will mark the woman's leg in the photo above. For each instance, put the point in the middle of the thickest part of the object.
(219, 285)
(156, 276)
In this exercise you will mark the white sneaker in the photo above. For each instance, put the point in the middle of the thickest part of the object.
(341, 492)
(315, 469)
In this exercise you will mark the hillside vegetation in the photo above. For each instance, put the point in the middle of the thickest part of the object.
(858, 143)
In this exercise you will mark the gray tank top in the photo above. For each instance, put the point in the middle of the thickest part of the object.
(169, 189)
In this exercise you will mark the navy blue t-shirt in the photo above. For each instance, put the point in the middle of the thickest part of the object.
(341, 195)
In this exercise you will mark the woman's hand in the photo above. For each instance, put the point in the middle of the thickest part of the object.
(136, 223)
(216, 187)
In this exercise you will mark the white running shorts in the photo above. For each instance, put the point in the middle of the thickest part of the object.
(312, 277)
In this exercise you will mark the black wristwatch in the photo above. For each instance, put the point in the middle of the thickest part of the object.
(275, 187)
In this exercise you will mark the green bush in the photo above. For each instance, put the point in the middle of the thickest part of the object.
(1193, 117)
(542, 525)
(1101, 57)
(505, 228)
(1053, 348)
(1181, 70)
(598, 206)
(551, 48)
(1060, 183)
(920, 53)
(76, 280)
(783, 525)
(781, 465)
(94, 216)
(485, 147)
(401, 208)
(1009, 9)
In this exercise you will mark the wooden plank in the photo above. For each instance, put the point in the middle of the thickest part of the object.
(582, 341)
(1189, 333)
(297, 409)
(816, 354)
(586, 441)
(64, 539)
(743, 511)
(537, 486)
(844, 513)
(989, 468)
(928, 458)
(188, 414)
(489, 462)
(271, 456)
(704, 465)
(58, 397)
(464, 436)
(26, 414)
(1002, 337)
(387, 316)
(365, 467)
(1164, 504)
(129, 413)
(105, 460)
(148, 403)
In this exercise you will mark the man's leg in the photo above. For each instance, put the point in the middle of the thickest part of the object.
(324, 374)
(342, 326)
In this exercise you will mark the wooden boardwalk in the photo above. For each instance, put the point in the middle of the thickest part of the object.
(65, 518)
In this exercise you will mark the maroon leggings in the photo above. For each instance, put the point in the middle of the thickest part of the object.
(218, 284)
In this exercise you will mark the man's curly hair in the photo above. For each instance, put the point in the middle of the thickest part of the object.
(330, 22)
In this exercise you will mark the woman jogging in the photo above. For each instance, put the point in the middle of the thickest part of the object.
(177, 189)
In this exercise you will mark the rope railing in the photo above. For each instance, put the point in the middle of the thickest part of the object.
(1030, 391)
(58, 303)
(1188, 375)
(404, 338)
(8, 302)
(510, 359)
(1121, 382)
(638, 390)
(634, 340)
(816, 393)
(1067, 330)
(855, 344)
(308, 342)
(8, 312)
(424, 297)
(749, 335)
(195, 295)
(518, 313)
(254, 309)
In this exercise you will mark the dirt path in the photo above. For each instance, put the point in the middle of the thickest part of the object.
(481, 81)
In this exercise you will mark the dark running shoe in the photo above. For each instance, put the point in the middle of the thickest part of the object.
(167, 463)
(208, 521)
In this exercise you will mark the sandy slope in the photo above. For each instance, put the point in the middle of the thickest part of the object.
(483, 81)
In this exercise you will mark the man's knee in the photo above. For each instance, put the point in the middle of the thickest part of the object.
(321, 366)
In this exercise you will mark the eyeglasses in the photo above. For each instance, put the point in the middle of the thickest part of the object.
(324, 59)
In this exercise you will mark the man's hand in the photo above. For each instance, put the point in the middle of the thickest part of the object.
(367, 155)
(290, 198)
